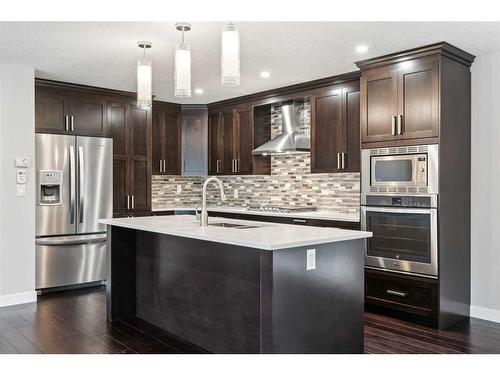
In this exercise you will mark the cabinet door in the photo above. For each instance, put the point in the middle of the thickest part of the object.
(140, 149)
(88, 115)
(326, 132)
(172, 142)
(227, 142)
(50, 111)
(214, 143)
(418, 89)
(158, 134)
(118, 114)
(379, 91)
(194, 142)
(351, 137)
(243, 142)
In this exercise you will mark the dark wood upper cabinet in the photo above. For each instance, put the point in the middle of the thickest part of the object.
(166, 138)
(88, 114)
(231, 140)
(227, 142)
(51, 111)
(418, 87)
(400, 101)
(379, 104)
(62, 110)
(243, 141)
(335, 141)
(214, 143)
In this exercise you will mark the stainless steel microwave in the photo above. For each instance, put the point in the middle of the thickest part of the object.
(400, 170)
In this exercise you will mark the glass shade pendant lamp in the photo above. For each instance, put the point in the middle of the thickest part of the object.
(182, 74)
(230, 55)
(144, 77)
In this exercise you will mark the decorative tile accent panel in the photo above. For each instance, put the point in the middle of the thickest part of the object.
(290, 183)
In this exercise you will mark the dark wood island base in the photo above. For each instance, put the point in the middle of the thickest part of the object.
(233, 299)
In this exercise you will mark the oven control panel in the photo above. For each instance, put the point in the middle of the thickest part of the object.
(399, 201)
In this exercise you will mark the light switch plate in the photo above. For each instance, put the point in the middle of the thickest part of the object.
(311, 260)
(21, 190)
(179, 189)
(235, 193)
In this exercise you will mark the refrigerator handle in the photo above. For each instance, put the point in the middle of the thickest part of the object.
(72, 184)
(81, 189)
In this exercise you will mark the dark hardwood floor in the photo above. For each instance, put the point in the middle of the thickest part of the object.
(75, 322)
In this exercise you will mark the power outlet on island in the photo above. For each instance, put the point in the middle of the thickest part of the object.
(179, 189)
(235, 194)
(311, 260)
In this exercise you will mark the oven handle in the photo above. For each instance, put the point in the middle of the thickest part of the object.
(403, 210)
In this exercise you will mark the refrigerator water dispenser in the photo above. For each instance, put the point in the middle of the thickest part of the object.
(49, 185)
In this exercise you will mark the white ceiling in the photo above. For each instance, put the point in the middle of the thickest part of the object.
(104, 53)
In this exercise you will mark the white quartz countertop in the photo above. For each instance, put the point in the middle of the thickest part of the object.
(320, 215)
(267, 236)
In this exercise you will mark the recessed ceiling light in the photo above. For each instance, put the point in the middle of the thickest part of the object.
(361, 49)
(198, 91)
(265, 74)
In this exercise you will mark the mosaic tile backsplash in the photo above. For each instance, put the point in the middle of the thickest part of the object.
(290, 183)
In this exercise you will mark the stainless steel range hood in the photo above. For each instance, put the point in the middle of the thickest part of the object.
(291, 139)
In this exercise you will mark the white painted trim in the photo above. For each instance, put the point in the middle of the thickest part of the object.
(485, 313)
(17, 298)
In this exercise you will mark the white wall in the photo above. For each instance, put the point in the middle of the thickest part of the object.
(485, 217)
(17, 214)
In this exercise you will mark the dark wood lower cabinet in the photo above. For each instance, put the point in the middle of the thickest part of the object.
(406, 296)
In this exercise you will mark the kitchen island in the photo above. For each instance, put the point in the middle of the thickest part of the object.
(239, 286)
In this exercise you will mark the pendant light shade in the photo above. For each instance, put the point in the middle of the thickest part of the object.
(230, 55)
(144, 78)
(182, 74)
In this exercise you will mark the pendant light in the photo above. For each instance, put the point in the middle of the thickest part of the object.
(144, 77)
(230, 55)
(182, 74)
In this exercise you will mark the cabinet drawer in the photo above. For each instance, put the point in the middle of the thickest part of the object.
(404, 293)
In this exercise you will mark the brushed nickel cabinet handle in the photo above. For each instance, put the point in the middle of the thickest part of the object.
(299, 221)
(164, 166)
(128, 202)
(237, 165)
(218, 166)
(400, 120)
(343, 160)
(66, 123)
(71, 123)
(159, 168)
(396, 293)
(338, 160)
(393, 131)
(133, 203)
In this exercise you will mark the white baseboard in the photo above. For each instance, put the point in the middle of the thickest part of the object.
(17, 298)
(485, 313)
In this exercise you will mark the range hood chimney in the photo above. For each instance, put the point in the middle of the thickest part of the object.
(291, 139)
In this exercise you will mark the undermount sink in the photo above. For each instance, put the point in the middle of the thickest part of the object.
(234, 226)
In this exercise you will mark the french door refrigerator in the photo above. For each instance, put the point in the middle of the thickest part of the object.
(74, 190)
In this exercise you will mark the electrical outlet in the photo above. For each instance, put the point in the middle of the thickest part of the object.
(235, 194)
(311, 260)
(21, 190)
(179, 189)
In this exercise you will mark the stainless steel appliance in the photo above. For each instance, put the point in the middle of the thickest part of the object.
(409, 170)
(282, 209)
(399, 205)
(293, 137)
(75, 189)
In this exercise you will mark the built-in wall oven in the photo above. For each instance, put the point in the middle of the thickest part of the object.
(400, 207)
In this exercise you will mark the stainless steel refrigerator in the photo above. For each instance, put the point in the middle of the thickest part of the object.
(74, 190)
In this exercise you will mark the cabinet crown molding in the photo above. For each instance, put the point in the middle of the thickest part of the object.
(443, 48)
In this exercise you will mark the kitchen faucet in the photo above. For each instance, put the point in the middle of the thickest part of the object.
(204, 213)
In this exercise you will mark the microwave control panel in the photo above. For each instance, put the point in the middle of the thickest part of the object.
(421, 170)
